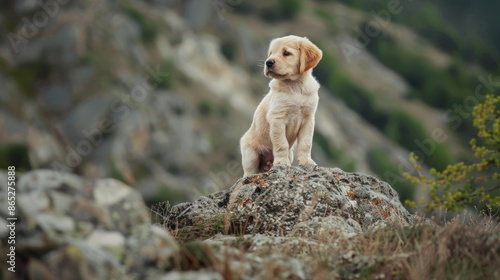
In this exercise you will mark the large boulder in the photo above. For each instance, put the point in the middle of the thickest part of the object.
(292, 201)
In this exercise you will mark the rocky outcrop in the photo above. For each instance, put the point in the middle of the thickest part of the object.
(71, 227)
(291, 201)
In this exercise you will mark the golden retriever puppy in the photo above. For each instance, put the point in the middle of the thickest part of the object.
(285, 117)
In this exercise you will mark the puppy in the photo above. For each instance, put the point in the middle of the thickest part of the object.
(285, 117)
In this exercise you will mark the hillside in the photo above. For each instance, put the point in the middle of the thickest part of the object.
(158, 94)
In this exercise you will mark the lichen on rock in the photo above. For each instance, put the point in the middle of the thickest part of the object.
(288, 199)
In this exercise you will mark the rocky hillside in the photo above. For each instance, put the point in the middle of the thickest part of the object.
(288, 223)
(157, 93)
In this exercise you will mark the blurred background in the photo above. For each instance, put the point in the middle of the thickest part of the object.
(157, 93)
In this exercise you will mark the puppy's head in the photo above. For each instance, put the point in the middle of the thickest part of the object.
(291, 56)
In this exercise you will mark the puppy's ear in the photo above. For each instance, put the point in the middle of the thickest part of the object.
(310, 55)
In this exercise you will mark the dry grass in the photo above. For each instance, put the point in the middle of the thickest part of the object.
(465, 248)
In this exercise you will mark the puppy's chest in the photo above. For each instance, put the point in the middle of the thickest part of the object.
(300, 104)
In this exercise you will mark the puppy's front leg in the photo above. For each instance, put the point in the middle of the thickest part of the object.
(304, 145)
(281, 148)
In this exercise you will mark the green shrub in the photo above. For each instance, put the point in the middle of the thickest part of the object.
(205, 107)
(244, 7)
(167, 82)
(149, 28)
(27, 74)
(173, 196)
(281, 10)
(431, 24)
(229, 49)
(324, 14)
(290, 8)
(16, 155)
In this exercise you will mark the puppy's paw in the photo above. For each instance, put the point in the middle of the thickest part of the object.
(306, 162)
(309, 167)
(282, 162)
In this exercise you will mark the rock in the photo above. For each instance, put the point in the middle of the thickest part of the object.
(70, 227)
(191, 275)
(291, 201)
(111, 241)
(150, 246)
(88, 262)
(328, 226)
(284, 267)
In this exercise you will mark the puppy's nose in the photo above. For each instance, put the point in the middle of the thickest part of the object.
(270, 62)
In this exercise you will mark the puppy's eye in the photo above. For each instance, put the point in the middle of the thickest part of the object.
(286, 53)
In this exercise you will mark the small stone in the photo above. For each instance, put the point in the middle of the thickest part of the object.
(111, 241)
(191, 275)
(51, 222)
(33, 203)
(110, 191)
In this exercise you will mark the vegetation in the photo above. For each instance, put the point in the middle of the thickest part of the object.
(465, 248)
(440, 88)
(399, 126)
(476, 183)
(15, 155)
(431, 24)
(229, 49)
(428, 20)
(205, 107)
(149, 28)
(167, 193)
(26, 75)
(282, 10)
(168, 82)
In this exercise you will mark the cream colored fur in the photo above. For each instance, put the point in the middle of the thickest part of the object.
(285, 117)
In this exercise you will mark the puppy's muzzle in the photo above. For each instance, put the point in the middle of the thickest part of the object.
(270, 63)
